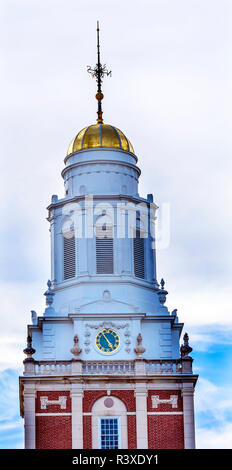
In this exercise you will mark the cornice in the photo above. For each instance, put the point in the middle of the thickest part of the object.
(113, 197)
(100, 149)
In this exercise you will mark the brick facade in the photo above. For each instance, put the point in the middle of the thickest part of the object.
(55, 432)
(131, 429)
(87, 432)
(165, 432)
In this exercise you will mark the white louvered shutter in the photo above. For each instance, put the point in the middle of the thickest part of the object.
(139, 255)
(104, 250)
(69, 255)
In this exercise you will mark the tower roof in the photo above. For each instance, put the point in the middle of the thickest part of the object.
(100, 136)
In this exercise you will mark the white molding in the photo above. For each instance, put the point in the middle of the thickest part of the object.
(156, 401)
(62, 401)
(106, 323)
(141, 415)
(163, 386)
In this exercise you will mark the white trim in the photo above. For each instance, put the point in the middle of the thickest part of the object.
(119, 430)
(163, 386)
(44, 401)
(141, 415)
(156, 401)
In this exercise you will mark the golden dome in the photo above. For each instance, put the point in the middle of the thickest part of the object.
(100, 136)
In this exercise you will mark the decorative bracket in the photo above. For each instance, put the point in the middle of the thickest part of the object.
(170, 401)
(45, 401)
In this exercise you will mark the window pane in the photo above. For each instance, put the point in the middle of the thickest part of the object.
(109, 433)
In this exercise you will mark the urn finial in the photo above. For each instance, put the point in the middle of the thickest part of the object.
(162, 293)
(139, 350)
(49, 294)
(29, 350)
(76, 350)
(185, 349)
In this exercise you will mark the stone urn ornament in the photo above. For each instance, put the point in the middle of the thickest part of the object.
(162, 293)
(29, 350)
(76, 350)
(185, 349)
(139, 350)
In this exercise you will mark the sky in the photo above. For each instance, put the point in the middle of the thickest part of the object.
(170, 93)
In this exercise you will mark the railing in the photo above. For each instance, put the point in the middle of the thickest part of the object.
(108, 368)
(52, 367)
(163, 367)
(116, 368)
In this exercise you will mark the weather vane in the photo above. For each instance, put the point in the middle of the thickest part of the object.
(98, 72)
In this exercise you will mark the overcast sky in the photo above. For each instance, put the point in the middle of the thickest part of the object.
(170, 93)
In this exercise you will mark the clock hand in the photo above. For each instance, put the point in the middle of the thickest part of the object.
(109, 343)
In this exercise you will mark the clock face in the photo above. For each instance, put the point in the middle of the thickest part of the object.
(107, 340)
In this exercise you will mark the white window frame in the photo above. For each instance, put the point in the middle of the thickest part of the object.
(119, 430)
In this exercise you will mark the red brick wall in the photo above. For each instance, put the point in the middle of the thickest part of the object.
(90, 396)
(165, 432)
(53, 432)
(127, 396)
(87, 432)
(131, 429)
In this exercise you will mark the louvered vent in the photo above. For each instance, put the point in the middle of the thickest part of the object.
(69, 255)
(139, 255)
(104, 250)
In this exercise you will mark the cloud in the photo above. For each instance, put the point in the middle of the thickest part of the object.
(200, 305)
(216, 438)
(203, 337)
(11, 425)
(213, 406)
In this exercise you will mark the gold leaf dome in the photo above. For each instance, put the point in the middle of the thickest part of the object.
(100, 136)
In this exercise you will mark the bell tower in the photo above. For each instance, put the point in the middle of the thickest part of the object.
(104, 368)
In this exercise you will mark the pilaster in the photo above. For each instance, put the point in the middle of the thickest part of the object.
(77, 417)
(29, 416)
(188, 409)
(141, 415)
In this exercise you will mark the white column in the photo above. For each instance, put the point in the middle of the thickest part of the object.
(188, 409)
(141, 415)
(29, 415)
(77, 416)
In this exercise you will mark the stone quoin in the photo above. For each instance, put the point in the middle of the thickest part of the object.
(104, 368)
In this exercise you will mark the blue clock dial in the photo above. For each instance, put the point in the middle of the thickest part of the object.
(107, 340)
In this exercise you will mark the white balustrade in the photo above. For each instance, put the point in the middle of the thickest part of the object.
(119, 368)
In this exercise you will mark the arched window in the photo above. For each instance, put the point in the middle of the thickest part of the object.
(69, 246)
(109, 424)
(138, 249)
(104, 249)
